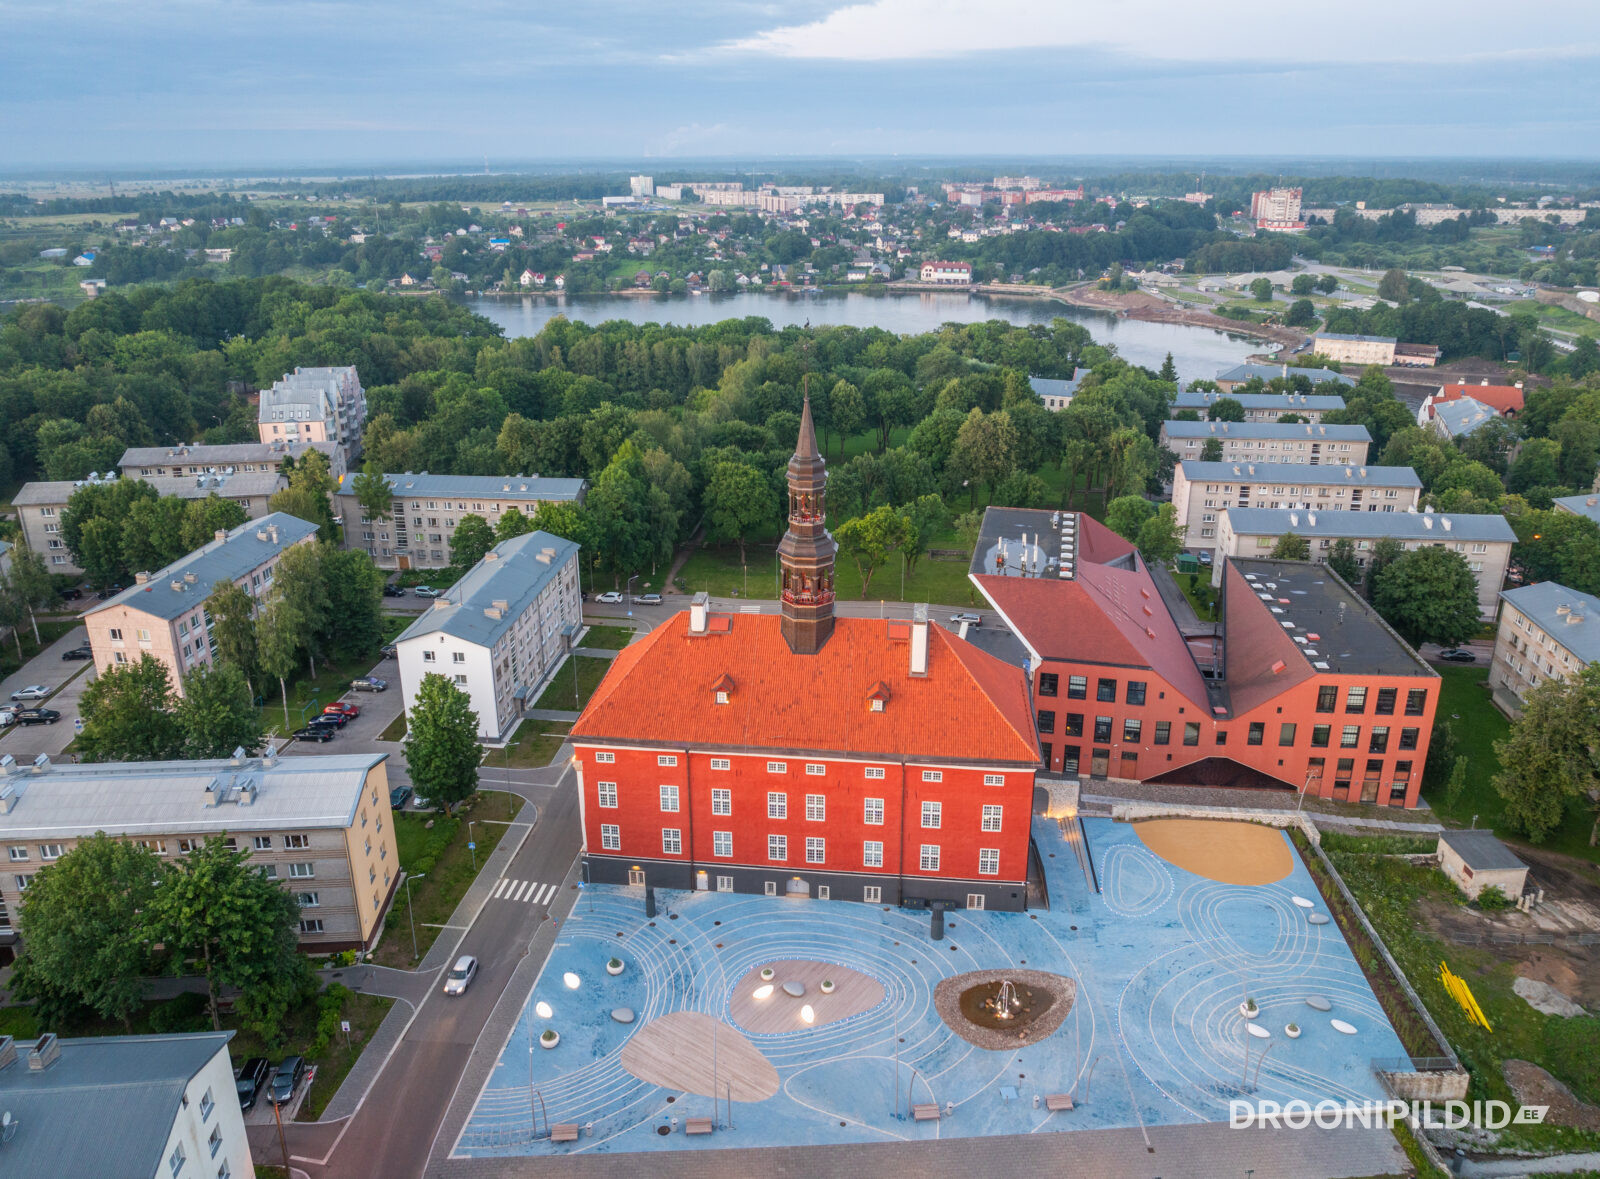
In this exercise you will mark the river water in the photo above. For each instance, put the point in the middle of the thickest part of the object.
(1197, 352)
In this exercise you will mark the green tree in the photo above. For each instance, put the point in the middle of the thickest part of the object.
(1328, 283)
(301, 582)
(1550, 760)
(1429, 595)
(1127, 514)
(985, 450)
(233, 627)
(847, 410)
(128, 714)
(1161, 537)
(1342, 560)
(1169, 370)
(616, 529)
(738, 501)
(473, 538)
(310, 495)
(278, 631)
(513, 523)
(1291, 547)
(1302, 285)
(30, 581)
(1385, 552)
(217, 713)
(1301, 313)
(441, 747)
(1211, 450)
(869, 539)
(220, 917)
(204, 518)
(1442, 746)
(84, 920)
(928, 517)
(355, 603)
(1261, 290)
(1394, 286)
(1457, 785)
(373, 491)
(1226, 409)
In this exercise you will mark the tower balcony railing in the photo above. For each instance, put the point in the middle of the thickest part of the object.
(808, 597)
(802, 517)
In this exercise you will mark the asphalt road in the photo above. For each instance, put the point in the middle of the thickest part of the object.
(393, 1133)
(66, 679)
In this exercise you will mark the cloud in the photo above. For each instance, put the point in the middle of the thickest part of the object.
(1421, 32)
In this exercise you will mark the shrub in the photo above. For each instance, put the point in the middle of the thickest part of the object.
(1378, 845)
(330, 1005)
(185, 1013)
(1492, 898)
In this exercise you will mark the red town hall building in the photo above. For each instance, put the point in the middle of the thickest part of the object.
(857, 759)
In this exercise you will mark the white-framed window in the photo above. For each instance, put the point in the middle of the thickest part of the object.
(270, 871)
(18, 854)
(671, 841)
(777, 804)
(777, 847)
(722, 843)
(458, 657)
(427, 657)
(724, 883)
(988, 861)
(974, 900)
(930, 857)
(872, 894)
(215, 1141)
(610, 837)
(874, 771)
(207, 1104)
(50, 851)
(605, 755)
(666, 759)
(21, 882)
(932, 815)
(721, 800)
(872, 853)
(771, 888)
(816, 808)
(816, 769)
(994, 779)
(177, 1158)
(816, 849)
(991, 816)
(933, 775)
(777, 767)
(188, 845)
(302, 871)
(461, 679)
(296, 841)
(669, 798)
(607, 793)
(721, 763)
(872, 812)
(262, 842)
(311, 925)
(309, 900)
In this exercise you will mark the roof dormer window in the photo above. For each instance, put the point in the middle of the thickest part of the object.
(723, 688)
(878, 697)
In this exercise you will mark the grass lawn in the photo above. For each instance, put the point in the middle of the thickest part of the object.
(365, 1013)
(309, 694)
(1202, 597)
(439, 853)
(608, 638)
(558, 693)
(396, 730)
(534, 744)
(49, 631)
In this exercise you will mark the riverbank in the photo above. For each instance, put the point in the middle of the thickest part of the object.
(1151, 309)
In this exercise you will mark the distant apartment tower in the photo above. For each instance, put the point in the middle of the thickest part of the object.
(1276, 208)
(642, 186)
(315, 405)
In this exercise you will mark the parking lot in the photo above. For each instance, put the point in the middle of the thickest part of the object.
(378, 711)
(66, 680)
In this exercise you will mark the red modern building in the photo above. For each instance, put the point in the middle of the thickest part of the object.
(841, 758)
(1299, 685)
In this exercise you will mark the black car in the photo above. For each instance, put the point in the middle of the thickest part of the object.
(334, 720)
(394, 591)
(38, 716)
(287, 1079)
(109, 592)
(253, 1077)
(71, 595)
(398, 797)
(1458, 655)
(316, 733)
(83, 652)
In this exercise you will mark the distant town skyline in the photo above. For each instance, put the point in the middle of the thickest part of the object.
(183, 83)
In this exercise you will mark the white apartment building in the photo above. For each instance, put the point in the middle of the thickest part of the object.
(501, 631)
(641, 186)
(1484, 541)
(164, 1107)
(427, 509)
(1313, 443)
(1201, 492)
(193, 458)
(320, 826)
(1547, 632)
(315, 405)
(1362, 350)
(950, 273)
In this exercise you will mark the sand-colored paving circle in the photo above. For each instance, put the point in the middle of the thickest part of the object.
(853, 993)
(1229, 852)
(675, 1052)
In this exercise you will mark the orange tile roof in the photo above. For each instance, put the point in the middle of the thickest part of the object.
(1500, 398)
(660, 690)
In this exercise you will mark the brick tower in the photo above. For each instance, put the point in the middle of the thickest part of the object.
(807, 550)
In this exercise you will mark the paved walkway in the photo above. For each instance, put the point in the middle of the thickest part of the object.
(1108, 793)
(1179, 606)
(379, 980)
(596, 652)
(551, 714)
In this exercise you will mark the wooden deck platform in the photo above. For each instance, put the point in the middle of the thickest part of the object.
(853, 993)
(675, 1052)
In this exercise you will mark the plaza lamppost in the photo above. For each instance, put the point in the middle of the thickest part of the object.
(411, 915)
(629, 593)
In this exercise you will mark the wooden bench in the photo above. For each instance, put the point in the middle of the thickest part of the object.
(1058, 1101)
(564, 1132)
(925, 1112)
(697, 1126)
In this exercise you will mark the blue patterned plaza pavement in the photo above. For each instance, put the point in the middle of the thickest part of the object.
(1162, 959)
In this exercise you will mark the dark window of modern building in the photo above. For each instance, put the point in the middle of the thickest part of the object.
(1106, 691)
(1314, 770)
(1416, 701)
(1286, 732)
(1191, 732)
(1319, 736)
(1350, 736)
(1073, 726)
(1327, 698)
(1044, 752)
(1077, 687)
(1385, 704)
(1222, 736)
(1102, 728)
(1408, 738)
(1163, 732)
(1401, 782)
(1355, 700)
(1379, 742)
(1047, 722)
(1130, 730)
(1048, 680)
(1069, 759)
(1257, 734)
(1341, 777)
(1374, 771)
(1136, 691)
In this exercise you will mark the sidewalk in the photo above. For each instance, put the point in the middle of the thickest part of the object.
(1107, 794)
(550, 714)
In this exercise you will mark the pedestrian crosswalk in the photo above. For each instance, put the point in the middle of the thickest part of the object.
(528, 892)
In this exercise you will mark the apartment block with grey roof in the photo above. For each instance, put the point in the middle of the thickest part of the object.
(1547, 632)
(1313, 443)
(315, 405)
(193, 458)
(1201, 492)
(1263, 407)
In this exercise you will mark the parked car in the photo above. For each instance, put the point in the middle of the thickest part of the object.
(648, 599)
(388, 651)
(350, 710)
(427, 591)
(31, 692)
(83, 652)
(252, 1078)
(1205, 557)
(72, 594)
(38, 716)
(393, 591)
(1458, 655)
(330, 720)
(398, 796)
(461, 975)
(315, 732)
(109, 592)
(368, 683)
(969, 619)
(8, 716)
(610, 597)
(287, 1079)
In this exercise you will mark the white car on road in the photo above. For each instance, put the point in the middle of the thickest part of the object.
(461, 975)
(31, 692)
(610, 597)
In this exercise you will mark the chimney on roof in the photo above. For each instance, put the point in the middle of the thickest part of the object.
(8, 799)
(1311, 519)
(273, 529)
(1445, 521)
(699, 608)
(919, 639)
(8, 1052)
(1294, 519)
(1563, 608)
(1427, 520)
(45, 1052)
(211, 793)
(220, 534)
(41, 764)
(141, 577)
(1574, 618)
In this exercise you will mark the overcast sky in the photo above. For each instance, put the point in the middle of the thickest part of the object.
(108, 83)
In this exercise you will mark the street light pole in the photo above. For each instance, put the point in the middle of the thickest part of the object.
(411, 914)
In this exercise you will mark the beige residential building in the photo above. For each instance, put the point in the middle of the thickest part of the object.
(427, 509)
(163, 613)
(147, 462)
(1201, 492)
(315, 405)
(320, 826)
(1313, 443)
(1362, 350)
(1547, 632)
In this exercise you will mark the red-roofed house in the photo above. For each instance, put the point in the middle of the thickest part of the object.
(1505, 400)
(884, 761)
